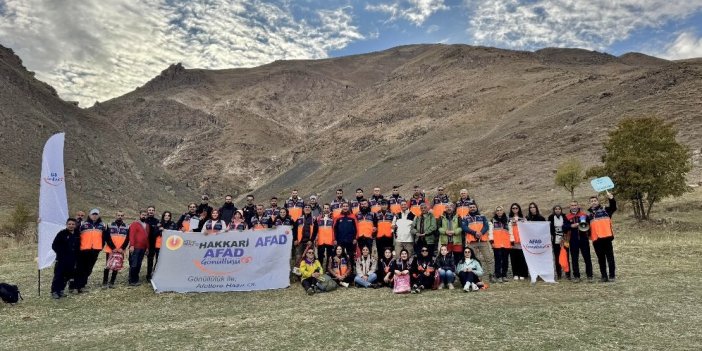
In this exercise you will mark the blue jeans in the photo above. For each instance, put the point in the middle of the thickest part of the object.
(135, 259)
(447, 276)
(365, 283)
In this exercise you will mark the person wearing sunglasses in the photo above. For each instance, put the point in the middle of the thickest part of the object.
(310, 271)
(423, 268)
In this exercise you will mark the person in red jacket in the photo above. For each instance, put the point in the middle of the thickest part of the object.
(138, 247)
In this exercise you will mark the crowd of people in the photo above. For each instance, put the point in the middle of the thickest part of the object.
(367, 242)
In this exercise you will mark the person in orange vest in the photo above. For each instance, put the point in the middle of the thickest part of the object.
(416, 200)
(385, 272)
(579, 242)
(395, 201)
(138, 247)
(439, 203)
(261, 220)
(294, 205)
(274, 210)
(375, 200)
(116, 241)
(340, 267)
(92, 239)
(502, 240)
(476, 227)
(602, 235)
(519, 267)
(384, 235)
(183, 223)
(463, 202)
(238, 222)
(214, 225)
(306, 230)
(356, 203)
(367, 225)
(337, 202)
(154, 236)
(325, 235)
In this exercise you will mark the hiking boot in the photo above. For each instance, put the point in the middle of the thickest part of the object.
(604, 280)
(612, 279)
(310, 291)
(111, 286)
(591, 279)
(104, 285)
(576, 280)
(55, 295)
(492, 279)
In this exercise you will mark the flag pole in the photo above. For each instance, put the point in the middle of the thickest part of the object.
(38, 282)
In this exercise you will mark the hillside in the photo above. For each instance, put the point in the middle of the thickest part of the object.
(103, 167)
(421, 114)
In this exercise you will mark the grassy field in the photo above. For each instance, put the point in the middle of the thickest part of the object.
(656, 303)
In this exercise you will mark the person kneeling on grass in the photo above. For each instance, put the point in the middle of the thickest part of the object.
(310, 271)
(469, 271)
(339, 267)
(423, 268)
(365, 269)
(446, 267)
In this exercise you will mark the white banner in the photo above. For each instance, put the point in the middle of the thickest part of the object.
(53, 206)
(538, 251)
(231, 261)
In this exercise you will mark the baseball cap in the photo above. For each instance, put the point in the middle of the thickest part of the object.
(95, 211)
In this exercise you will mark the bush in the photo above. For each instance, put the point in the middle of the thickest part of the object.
(18, 222)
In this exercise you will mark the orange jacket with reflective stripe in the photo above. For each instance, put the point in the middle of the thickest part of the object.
(462, 206)
(295, 207)
(394, 204)
(335, 207)
(325, 234)
(375, 203)
(439, 205)
(475, 224)
(365, 222)
(414, 205)
(384, 224)
(92, 235)
(500, 235)
(601, 221)
(118, 235)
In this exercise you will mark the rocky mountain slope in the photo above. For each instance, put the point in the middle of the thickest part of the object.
(103, 167)
(424, 114)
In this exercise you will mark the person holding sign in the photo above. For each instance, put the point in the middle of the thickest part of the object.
(519, 266)
(602, 235)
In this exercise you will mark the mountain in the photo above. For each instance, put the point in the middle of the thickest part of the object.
(496, 119)
(103, 166)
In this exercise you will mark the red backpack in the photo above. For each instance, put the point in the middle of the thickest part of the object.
(115, 262)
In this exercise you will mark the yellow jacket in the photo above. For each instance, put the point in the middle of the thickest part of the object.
(307, 269)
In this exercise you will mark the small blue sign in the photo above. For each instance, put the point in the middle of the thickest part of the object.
(602, 184)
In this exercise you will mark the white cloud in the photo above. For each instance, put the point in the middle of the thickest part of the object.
(94, 50)
(433, 28)
(686, 45)
(414, 11)
(592, 24)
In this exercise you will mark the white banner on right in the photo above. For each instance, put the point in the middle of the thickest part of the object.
(538, 251)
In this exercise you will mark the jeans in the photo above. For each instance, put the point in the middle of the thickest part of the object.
(605, 256)
(135, 259)
(580, 244)
(365, 283)
(447, 276)
(501, 262)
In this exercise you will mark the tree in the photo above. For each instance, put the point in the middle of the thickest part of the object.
(645, 162)
(570, 175)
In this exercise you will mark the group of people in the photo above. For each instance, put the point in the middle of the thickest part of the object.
(431, 241)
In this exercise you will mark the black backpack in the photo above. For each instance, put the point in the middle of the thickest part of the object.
(9, 293)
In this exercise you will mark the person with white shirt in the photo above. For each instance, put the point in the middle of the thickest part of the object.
(402, 226)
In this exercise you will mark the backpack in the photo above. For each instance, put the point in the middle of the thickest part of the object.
(9, 293)
(115, 262)
(326, 283)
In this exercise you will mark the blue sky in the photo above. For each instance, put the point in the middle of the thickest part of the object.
(94, 50)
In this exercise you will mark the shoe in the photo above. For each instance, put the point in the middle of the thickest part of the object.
(73, 291)
(604, 280)
(492, 279)
(521, 278)
(344, 284)
(516, 277)
(576, 280)
(55, 295)
(612, 279)
(504, 280)
(466, 287)
(61, 293)
(111, 286)
(421, 287)
(413, 291)
(104, 285)
(419, 290)
(450, 287)
(441, 286)
(134, 284)
(83, 290)
(310, 291)
(592, 280)
(474, 287)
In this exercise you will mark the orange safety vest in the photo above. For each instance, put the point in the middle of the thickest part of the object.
(414, 206)
(462, 207)
(394, 203)
(336, 208)
(118, 234)
(500, 236)
(301, 227)
(295, 208)
(476, 226)
(365, 225)
(325, 233)
(515, 233)
(439, 206)
(375, 204)
(384, 224)
(91, 236)
(601, 228)
(355, 207)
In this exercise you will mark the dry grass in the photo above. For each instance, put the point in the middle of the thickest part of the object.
(655, 304)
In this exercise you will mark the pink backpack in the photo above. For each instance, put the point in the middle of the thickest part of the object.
(115, 262)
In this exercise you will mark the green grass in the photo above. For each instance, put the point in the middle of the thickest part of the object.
(656, 303)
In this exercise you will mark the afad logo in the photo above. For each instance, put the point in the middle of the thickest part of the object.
(537, 247)
(174, 242)
(53, 179)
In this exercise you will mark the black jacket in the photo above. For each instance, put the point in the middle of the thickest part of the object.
(249, 212)
(226, 212)
(66, 246)
(446, 263)
(154, 230)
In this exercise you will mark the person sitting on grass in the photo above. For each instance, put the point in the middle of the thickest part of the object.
(423, 268)
(469, 271)
(446, 267)
(340, 267)
(310, 271)
(402, 265)
(385, 271)
(365, 269)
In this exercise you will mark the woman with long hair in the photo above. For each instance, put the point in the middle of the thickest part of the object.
(283, 218)
(446, 267)
(238, 222)
(519, 266)
(385, 272)
(401, 268)
(557, 220)
(469, 271)
(502, 241)
(534, 215)
(214, 225)
(339, 267)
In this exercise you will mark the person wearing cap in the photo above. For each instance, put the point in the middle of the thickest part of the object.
(138, 246)
(226, 212)
(92, 239)
(294, 205)
(316, 209)
(204, 207)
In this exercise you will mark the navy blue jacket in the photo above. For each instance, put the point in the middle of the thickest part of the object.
(345, 228)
